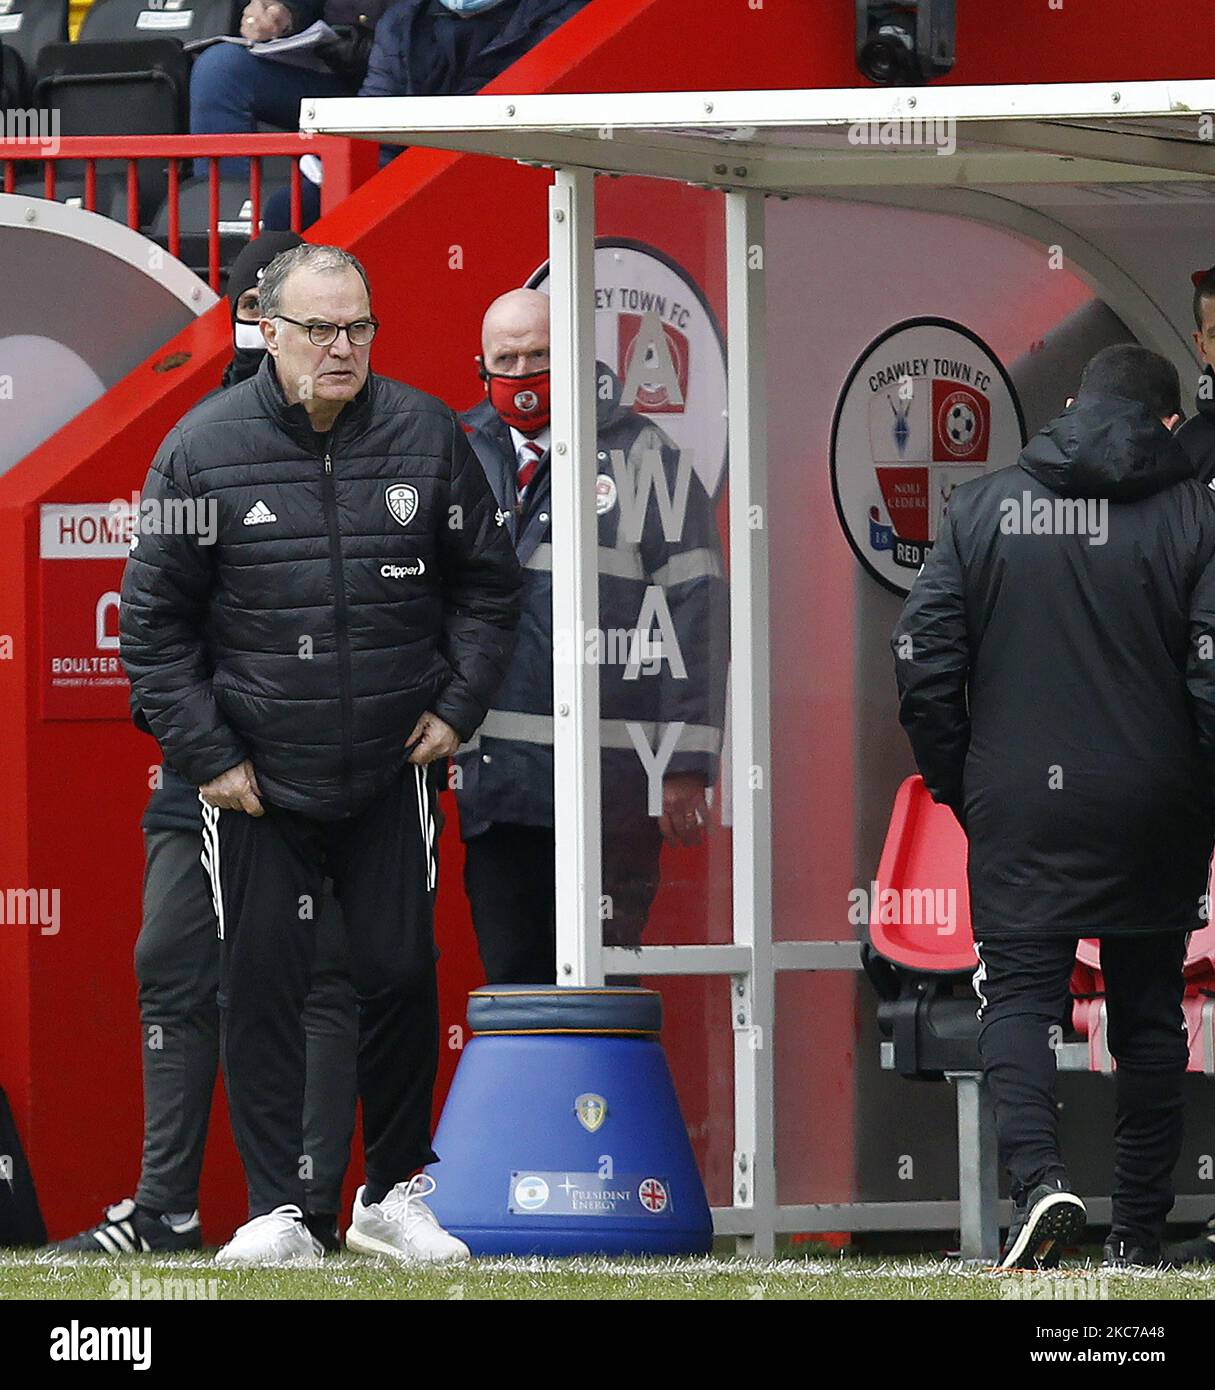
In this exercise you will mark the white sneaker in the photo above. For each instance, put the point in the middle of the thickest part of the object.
(403, 1226)
(278, 1238)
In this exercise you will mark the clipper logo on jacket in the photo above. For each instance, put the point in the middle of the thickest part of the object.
(408, 570)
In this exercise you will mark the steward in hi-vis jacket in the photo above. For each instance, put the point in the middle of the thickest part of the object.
(661, 646)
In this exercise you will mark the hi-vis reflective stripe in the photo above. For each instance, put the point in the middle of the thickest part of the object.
(427, 824)
(613, 733)
(688, 564)
(619, 564)
(210, 860)
(701, 563)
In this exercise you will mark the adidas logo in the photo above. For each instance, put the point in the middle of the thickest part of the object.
(259, 513)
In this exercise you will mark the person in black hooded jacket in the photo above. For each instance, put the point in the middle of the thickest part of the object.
(1056, 672)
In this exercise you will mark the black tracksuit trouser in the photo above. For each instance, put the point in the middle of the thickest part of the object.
(177, 965)
(1023, 988)
(267, 872)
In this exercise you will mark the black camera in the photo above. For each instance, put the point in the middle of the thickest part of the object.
(905, 42)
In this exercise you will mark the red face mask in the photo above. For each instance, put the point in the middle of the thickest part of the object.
(521, 401)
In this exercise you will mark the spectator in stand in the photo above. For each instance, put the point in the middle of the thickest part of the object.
(426, 48)
(233, 91)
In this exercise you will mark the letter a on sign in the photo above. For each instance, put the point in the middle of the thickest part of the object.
(651, 364)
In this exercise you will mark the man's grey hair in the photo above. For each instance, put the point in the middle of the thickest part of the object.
(306, 256)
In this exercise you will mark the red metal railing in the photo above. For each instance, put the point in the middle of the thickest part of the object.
(345, 164)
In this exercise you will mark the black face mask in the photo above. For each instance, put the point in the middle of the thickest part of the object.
(245, 360)
(245, 363)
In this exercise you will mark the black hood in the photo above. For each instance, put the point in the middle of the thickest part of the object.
(1105, 446)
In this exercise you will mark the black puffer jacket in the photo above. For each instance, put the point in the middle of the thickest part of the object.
(1058, 685)
(355, 580)
(1197, 435)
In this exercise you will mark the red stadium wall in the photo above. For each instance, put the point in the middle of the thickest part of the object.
(73, 792)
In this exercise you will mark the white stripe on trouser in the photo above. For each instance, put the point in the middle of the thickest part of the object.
(977, 979)
(210, 860)
(426, 822)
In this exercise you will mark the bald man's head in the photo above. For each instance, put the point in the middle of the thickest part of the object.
(514, 334)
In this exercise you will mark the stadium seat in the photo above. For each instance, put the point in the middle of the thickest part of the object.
(14, 83)
(927, 1007)
(194, 201)
(27, 26)
(135, 88)
(1198, 1004)
(922, 974)
(109, 199)
(113, 21)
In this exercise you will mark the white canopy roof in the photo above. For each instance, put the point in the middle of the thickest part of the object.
(791, 141)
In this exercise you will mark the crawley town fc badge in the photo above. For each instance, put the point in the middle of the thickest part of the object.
(605, 493)
(927, 407)
(402, 499)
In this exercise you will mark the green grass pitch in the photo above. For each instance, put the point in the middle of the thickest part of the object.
(29, 1276)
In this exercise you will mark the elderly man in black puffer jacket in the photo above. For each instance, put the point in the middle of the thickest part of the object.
(321, 599)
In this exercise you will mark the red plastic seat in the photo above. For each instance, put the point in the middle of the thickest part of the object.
(1199, 958)
(925, 849)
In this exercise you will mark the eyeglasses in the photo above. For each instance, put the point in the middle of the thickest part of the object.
(359, 333)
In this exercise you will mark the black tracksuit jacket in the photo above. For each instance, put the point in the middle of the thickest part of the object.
(356, 579)
(1059, 688)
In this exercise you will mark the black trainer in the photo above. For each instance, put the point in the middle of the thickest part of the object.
(131, 1230)
(1051, 1218)
(1200, 1250)
(1130, 1252)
